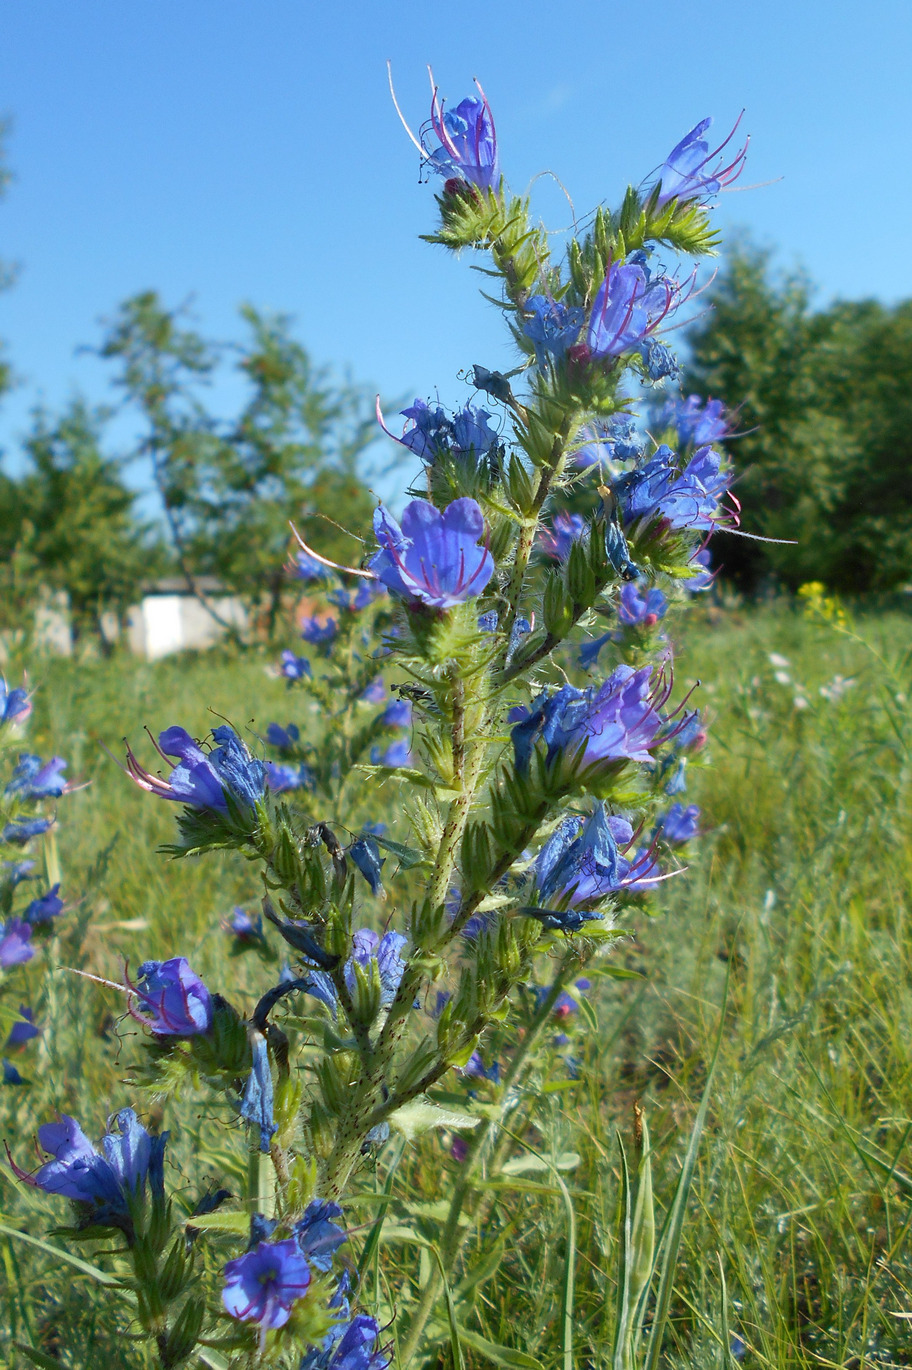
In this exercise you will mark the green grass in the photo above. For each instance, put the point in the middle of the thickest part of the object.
(796, 902)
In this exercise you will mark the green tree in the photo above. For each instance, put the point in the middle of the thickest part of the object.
(70, 521)
(823, 402)
(230, 489)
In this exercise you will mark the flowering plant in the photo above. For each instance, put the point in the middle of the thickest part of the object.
(522, 815)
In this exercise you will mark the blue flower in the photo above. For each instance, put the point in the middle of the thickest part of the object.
(397, 714)
(281, 777)
(590, 651)
(319, 634)
(366, 855)
(317, 1236)
(702, 579)
(686, 173)
(684, 499)
(174, 1000)
(434, 558)
(629, 305)
(433, 434)
(15, 705)
(468, 142)
(105, 1183)
(14, 872)
(396, 754)
(15, 943)
(580, 863)
(256, 1104)
(697, 424)
(375, 692)
(45, 908)
(552, 329)
(263, 1285)
(659, 360)
(615, 440)
(557, 540)
(24, 1030)
(636, 609)
(203, 780)
(307, 568)
(19, 833)
(367, 947)
(349, 1346)
(33, 778)
(294, 667)
(615, 722)
(283, 738)
(680, 824)
(11, 1075)
(244, 927)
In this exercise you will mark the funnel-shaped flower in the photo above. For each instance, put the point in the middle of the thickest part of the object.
(204, 779)
(15, 943)
(691, 498)
(15, 705)
(433, 558)
(318, 1237)
(33, 778)
(680, 824)
(641, 610)
(553, 328)
(618, 721)
(263, 1285)
(557, 540)
(107, 1181)
(692, 172)
(173, 999)
(580, 863)
(628, 307)
(468, 142)
(696, 422)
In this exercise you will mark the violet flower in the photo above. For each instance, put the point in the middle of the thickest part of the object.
(396, 754)
(397, 714)
(17, 834)
(686, 173)
(565, 529)
(294, 667)
(24, 1030)
(15, 705)
(263, 1285)
(618, 721)
(281, 776)
(45, 908)
(553, 328)
(433, 558)
(173, 999)
(691, 498)
(15, 943)
(702, 579)
(697, 423)
(319, 634)
(200, 779)
(680, 824)
(365, 853)
(33, 778)
(468, 142)
(615, 440)
(257, 1102)
(580, 863)
(317, 1236)
(637, 610)
(628, 307)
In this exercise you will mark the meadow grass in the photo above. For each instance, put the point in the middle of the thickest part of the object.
(787, 943)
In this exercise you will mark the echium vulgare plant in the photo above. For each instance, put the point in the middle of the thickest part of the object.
(30, 899)
(452, 832)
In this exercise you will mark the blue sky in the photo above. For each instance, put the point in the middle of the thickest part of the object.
(231, 150)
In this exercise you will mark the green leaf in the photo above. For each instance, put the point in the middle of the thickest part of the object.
(211, 1358)
(421, 1115)
(59, 1254)
(519, 1165)
(221, 1222)
(37, 1357)
(408, 857)
(507, 1356)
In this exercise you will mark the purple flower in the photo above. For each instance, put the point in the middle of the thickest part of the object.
(15, 943)
(629, 306)
(257, 1102)
(44, 909)
(36, 779)
(468, 142)
(396, 754)
(700, 580)
(696, 423)
(349, 1346)
(367, 948)
(317, 1236)
(307, 568)
(14, 872)
(459, 1149)
(685, 499)
(476, 1068)
(283, 738)
(680, 824)
(658, 359)
(366, 855)
(615, 440)
(244, 927)
(375, 692)
(552, 329)
(317, 633)
(25, 1029)
(294, 667)
(397, 714)
(263, 1285)
(590, 651)
(686, 173)
(203, 780)
(15, 705)
(174, 1000)
(11, 1075)
(635, 609)
(618, 721)
(580, 863)
(433, 434)
(557, 540)
(105, 1181)
(19, 833)
(433, 558)
(281, 777)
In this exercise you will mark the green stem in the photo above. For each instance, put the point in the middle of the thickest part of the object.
(452, 1240)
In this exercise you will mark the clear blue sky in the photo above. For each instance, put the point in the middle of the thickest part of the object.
(236, 150)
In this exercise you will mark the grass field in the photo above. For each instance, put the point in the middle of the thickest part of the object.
(787, 943)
